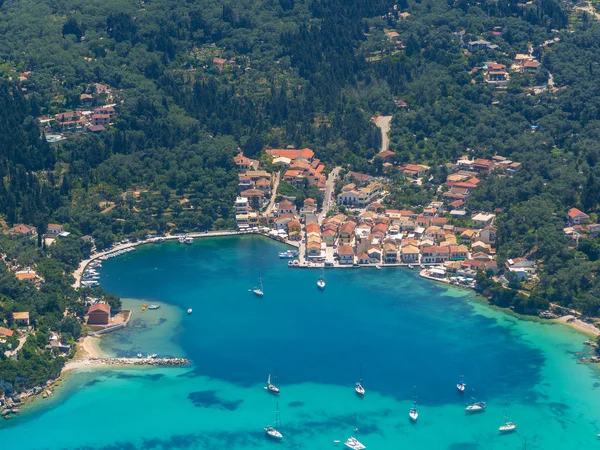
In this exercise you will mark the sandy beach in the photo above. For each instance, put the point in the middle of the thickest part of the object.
(88, 348)
(579, 325)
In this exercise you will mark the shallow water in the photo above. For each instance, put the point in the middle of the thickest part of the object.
(407, 333)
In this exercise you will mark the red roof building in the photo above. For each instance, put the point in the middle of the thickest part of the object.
(99, 314)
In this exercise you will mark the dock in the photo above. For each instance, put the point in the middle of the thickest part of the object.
(158, 362)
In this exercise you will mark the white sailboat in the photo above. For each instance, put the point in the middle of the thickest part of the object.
(353, 442)
(461, 385)
(413, 413)
(475, 407)
(321, 282)
(358, 387)
(273, 432)
(258, 290)
(508, 426)
(271, 387)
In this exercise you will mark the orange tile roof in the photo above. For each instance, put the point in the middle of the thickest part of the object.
(291, 154)
(346, 250)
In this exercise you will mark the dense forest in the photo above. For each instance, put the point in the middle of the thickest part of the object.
(194, 81)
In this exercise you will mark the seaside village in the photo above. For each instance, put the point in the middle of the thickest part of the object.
(367, 233)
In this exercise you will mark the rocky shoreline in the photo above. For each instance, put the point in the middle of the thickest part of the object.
(10, 405)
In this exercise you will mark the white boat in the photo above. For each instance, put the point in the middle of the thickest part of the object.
(271, 387)
(475, 406)
(358, 387)
(154, 306)
(353, 442)
(461, 385)
(189, 311)
(321, 281)
(273, 432)
(258, 290)
(413, 413)
(288, 254)
(188, 240)
(507, 427)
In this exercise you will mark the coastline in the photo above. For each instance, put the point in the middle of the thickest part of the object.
(568, 320)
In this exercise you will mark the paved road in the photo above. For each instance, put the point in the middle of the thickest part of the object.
(274, 194)
(329, 189)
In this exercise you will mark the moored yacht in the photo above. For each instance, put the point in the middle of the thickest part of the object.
(271, 387)
(258, 290)
(461, 385)
(321, 281)
(413, 413)
(272, 431)
(358, 387)
(475, 406)
(507, 426)
(352, 442)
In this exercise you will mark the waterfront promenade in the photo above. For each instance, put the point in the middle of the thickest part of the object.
(78, 273)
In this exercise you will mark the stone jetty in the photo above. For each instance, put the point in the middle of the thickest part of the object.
(163, 362)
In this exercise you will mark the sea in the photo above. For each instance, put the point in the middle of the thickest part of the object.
(407, 338)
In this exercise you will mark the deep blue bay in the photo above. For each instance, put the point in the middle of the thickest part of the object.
(405, 331)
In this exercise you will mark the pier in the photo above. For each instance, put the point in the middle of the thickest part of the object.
(158, 362)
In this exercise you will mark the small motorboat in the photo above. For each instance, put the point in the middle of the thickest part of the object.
(189, 311)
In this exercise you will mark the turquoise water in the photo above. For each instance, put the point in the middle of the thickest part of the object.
(405, 332)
